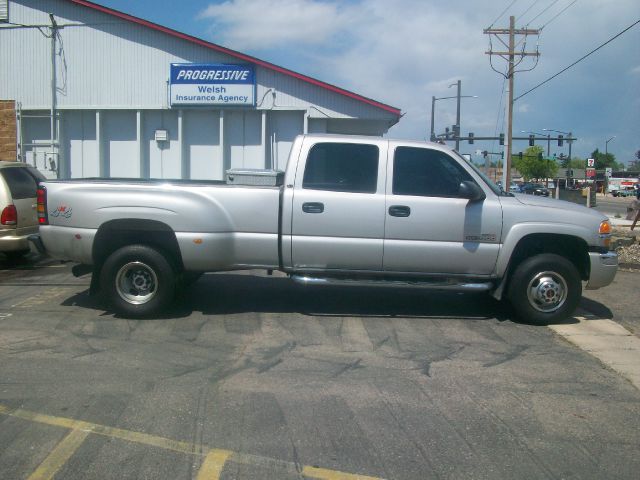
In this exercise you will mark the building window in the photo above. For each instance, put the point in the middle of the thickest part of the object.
(342, 167)
(427, 173)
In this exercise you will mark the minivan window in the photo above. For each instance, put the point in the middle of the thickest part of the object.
(342, 167)
(21, 183)
(426, 172)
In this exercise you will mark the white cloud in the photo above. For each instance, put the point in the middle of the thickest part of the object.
(265, 24)
(404, 52)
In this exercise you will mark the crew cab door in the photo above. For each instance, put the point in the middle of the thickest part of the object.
(429, 227)
(338, 205)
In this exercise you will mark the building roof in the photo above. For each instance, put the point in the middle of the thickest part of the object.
(238, 55)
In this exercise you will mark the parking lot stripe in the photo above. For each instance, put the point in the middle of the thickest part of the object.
(214, 461)
(59, 456)
(213, 464)
(325, 474)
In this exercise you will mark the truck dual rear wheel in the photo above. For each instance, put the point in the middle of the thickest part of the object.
(545, 288)
(137, 281)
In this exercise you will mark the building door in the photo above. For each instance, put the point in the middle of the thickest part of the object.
(284, 126)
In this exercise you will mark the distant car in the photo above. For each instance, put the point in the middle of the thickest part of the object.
(514, 187)
(18, 216)
(623, 193)
(534, 189)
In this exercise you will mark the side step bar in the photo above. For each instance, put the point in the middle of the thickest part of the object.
(435, 284)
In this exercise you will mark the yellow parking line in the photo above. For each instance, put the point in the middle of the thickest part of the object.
(325, 474)
(213, 464)
(59, 456)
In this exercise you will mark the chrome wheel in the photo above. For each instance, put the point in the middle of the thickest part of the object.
(547, 292)
(136, 283)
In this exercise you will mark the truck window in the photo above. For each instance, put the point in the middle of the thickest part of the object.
(427, 173)
(342, 167)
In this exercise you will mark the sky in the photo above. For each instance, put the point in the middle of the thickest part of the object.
(404, 52)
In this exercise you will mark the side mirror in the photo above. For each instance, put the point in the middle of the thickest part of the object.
(472, 191)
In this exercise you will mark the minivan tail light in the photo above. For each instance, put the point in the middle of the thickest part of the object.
(9, 215)
(41, 206)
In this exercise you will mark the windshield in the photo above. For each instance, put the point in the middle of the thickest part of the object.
(496, 189)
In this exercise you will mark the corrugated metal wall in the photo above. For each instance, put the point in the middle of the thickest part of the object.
(112, 95)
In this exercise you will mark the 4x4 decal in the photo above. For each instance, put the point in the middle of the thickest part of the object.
(62, 211)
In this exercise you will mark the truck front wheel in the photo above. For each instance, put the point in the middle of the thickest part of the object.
(545, 288)
(137, 281)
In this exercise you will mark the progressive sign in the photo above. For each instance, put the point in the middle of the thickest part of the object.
(212, 84)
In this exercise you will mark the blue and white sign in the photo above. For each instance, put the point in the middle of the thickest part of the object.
(212, 84)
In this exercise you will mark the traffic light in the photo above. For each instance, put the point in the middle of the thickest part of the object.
(520, 155)
(456, 131)
(502, 139)
(531, 140)
(485, 153)
(470, 138)
(560, 140)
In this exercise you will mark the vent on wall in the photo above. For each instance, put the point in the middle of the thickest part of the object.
(4, 10)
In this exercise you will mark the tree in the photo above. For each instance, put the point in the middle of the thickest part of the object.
(634, 165)
(605, 160)
(532, 165)
(577, 163)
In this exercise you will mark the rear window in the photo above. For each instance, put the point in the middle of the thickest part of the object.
(21, 183)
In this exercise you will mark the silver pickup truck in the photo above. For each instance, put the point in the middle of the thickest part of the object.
(348, 210)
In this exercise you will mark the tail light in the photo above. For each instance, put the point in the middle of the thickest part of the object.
(41, 200)
(9, 215)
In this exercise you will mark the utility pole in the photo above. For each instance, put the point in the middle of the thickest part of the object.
(457, 132)
(510, 57)
(54, 34)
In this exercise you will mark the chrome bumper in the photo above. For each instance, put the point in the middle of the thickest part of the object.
(603, 269)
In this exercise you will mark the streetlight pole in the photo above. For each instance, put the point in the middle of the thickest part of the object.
(432, 135)
(606, 145)
(458, 116)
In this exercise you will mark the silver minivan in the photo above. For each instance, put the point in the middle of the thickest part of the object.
(18, 215)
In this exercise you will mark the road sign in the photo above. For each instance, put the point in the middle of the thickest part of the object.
(608, 171)
(591, 172)
(591, 162)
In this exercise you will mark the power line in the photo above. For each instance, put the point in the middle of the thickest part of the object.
(543, 11)
(561, 12)
(527, 10)
(578, 61)
(503, 12)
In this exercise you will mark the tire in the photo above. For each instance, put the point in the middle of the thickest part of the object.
(137, 281)
(544, 289)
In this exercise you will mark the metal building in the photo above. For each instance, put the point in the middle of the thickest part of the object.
(102, 93)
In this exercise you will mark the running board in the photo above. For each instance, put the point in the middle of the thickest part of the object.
(436, 284)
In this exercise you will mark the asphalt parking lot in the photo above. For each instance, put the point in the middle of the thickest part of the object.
(256, 378)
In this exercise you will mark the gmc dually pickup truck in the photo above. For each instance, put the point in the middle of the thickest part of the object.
(348, 210)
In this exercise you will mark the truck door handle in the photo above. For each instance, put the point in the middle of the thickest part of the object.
(399, 211)
(313, 207)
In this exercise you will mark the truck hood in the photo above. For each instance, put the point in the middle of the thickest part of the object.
(558, 205)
